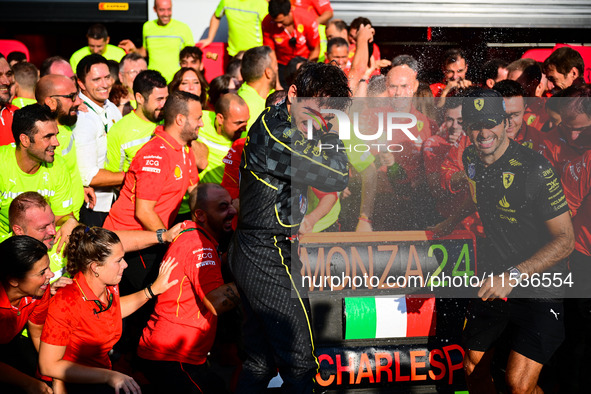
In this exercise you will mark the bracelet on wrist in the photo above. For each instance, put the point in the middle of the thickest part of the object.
(364, 218)
(150, 291)
(146, 293)
(159, 235)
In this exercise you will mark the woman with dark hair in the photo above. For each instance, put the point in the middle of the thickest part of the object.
(84, 318)
(188, 80)
(24, 281)
(219, 86)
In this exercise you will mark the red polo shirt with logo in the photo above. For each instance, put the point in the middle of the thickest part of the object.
(161, 171)
(231, 179)
(6, 114)
(305, 32)
(181, 327)
(74, 321)
(13, 319)
(317, 7)
(576, 182)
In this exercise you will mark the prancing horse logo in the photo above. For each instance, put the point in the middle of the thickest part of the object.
(478, 104)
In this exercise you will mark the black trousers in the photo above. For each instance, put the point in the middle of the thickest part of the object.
(277, 332)
(175, 377)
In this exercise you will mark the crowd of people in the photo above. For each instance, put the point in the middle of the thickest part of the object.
(149, 217)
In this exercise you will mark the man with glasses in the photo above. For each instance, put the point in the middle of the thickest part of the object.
(130, 66)
(60, 95)
(90, 133)
(6, 109)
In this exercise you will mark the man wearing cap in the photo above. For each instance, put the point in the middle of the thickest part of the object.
(529, 232)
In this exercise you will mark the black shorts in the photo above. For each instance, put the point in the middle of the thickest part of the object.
(536, 327)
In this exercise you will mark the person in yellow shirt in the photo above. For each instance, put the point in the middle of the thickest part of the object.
(163, 40)
(98, 42)
(26, 76)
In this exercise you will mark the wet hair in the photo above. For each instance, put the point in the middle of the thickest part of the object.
(292, 68)
(16, 56)
(87, 245)
(357, 22)
(174, 85)
(520, 64)
(406, 60)
(84, 66)
(254, 63)
(277, 7)
(25, 121)
(19, 255)
(490, 69)
(336, 42)
(22, 203)
(26, 74)
(453, 55)
(198, 196)
(564, 59)
(376, 86)
(191, 51)
(145, 82)
(573, 101)
(177, 103)
(275, 98)
(509, 88)
(218, 87)
(321, 80)
(97, 32)
(131, 57)
(48, 63)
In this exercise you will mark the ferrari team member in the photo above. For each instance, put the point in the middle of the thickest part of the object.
(175, 345)
(24, 298)
(278, 165)
(158, 178)
(527, 222)
(84, 319)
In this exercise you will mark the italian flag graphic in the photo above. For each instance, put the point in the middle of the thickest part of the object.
(389, 317)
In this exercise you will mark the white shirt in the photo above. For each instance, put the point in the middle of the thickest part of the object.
(90, 133)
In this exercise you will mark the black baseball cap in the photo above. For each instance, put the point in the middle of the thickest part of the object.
(484, 108)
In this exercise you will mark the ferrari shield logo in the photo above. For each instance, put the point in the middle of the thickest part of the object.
(508, 179)
(478, 104)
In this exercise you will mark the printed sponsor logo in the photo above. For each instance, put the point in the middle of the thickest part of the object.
(151, 169)
(205, 263)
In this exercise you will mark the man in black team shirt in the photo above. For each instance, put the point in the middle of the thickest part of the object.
(278, 165)
(526, 219)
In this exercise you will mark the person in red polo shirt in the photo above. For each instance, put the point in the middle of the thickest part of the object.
(84, 318)
(290, 32)
(158, 178)
(23, 302)
(6, 109)
(182, 328)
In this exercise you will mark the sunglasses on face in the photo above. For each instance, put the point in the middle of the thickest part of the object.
(71, 96)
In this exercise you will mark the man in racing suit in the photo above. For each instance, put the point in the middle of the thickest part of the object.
(278, 164)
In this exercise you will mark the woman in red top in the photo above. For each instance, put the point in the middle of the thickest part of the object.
(24, 279)
(84, 318)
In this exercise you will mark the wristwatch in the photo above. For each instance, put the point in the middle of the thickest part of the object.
(514, 272)
(159, 235)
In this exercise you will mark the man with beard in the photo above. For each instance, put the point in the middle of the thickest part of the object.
(60, 95)
(33, 165)
(90, 133)
(259, 70)
(175, 345)
(221, 128)
(128, 135)
(162, 171)
(6, 109)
